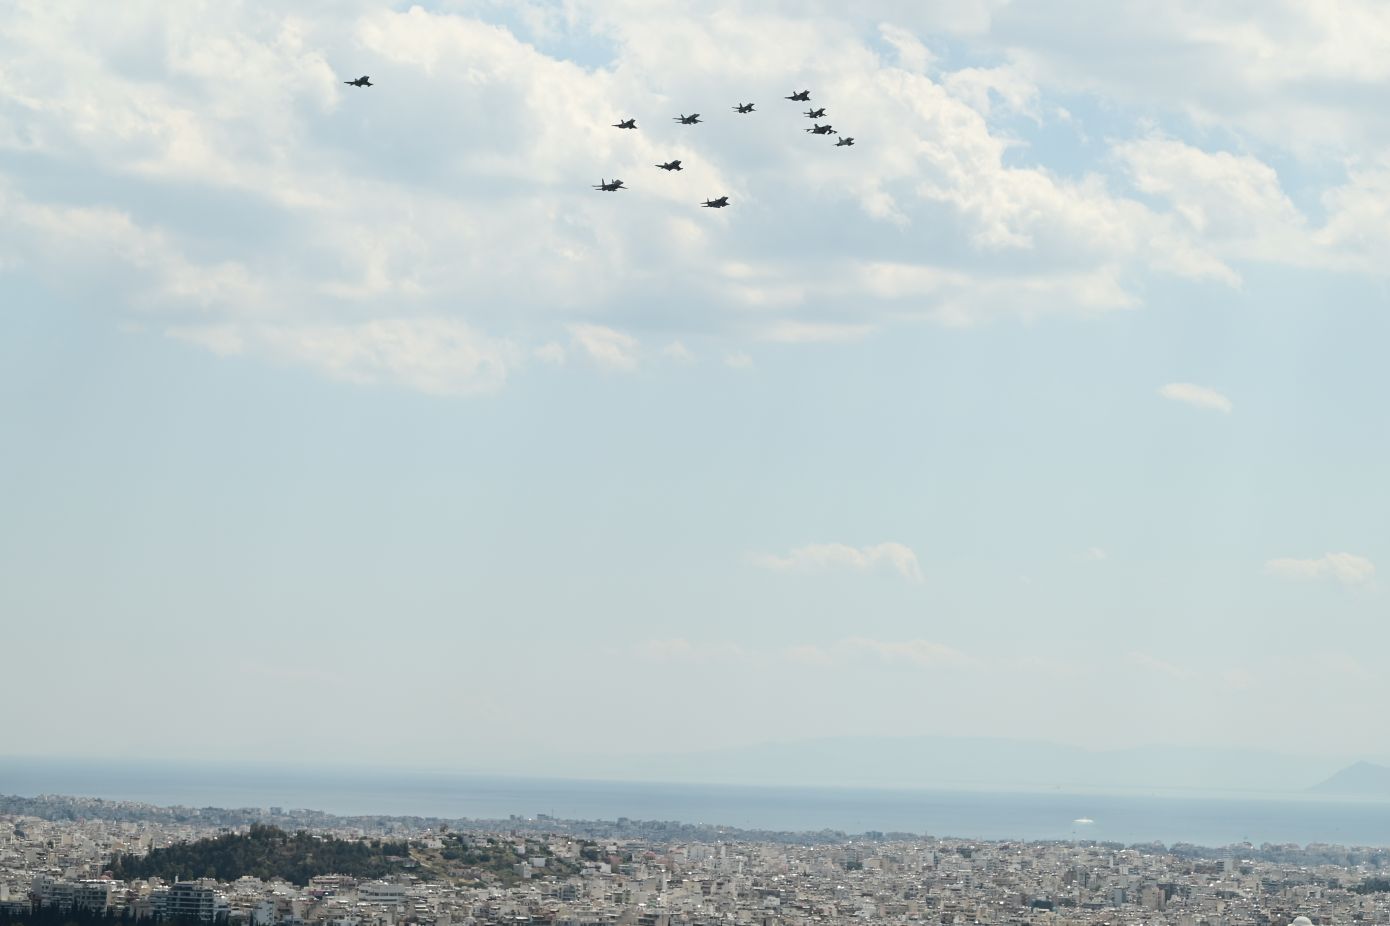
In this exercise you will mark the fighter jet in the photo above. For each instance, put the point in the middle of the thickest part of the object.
(719, 203)
(609, 186)
(626, 124)
(671, 165)
(688, 120)
(743, 108)
(363, 81)
(815, 113)
(823, 130)
(845, 142)
(801, 96)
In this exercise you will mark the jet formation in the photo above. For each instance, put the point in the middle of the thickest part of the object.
(613, 186)
(797, 96)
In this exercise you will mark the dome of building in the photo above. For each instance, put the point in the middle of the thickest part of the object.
(1301, 921)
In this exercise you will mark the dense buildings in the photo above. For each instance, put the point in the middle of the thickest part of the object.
(524, 876)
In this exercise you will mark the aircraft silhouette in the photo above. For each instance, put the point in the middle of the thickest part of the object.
(719, 203)
(823, 130)
(845, 142)
(801, 96)
(743, 108)
(815, 113)
(688, 120)
(626, 124)
(609, 186)
(671, 165)
(363, 81)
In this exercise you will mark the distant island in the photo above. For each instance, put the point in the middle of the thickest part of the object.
(1362, 779)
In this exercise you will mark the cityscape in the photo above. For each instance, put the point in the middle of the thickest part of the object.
(694, 463)
(540, 871)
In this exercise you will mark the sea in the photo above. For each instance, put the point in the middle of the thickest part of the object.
(1128, 817)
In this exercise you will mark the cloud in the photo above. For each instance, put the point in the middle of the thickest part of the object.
(796, 332)
(432, 355)
(1198, 396)
(1094, 554)
(208, 165)
(915, 653)
(681, 650)
(820, 557)
(551, 352)
(1347, 568)
(738, 360)
(678, 353)
(610, 349)
(1153, 664)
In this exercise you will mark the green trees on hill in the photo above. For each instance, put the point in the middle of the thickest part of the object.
(265, 852)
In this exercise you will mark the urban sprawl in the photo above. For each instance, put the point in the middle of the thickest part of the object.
(57, 855)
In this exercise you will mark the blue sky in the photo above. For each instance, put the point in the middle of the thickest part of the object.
(338, 410)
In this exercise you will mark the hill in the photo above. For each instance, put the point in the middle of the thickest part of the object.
(1363, 779)
(266, 852)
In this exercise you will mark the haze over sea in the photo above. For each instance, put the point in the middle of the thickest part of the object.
(1204, 819)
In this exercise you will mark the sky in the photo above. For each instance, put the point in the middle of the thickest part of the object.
(353, 425)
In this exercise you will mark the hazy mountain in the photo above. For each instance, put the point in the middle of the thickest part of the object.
(996, 764)
(1362, 779)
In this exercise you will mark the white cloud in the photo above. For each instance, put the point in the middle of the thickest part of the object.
(1198, 396)
(679, 649)
(1234, 203)
(1094, 554)
(606, 347)
(915, 653)
(551, 352)
(738, 360)
(1347, 568)
(432, 355)
(798, 332)
(227, 179)
(912, 54)
(818, 557)
(678, 352)
(1153, 664)
(983, 88)
(1291, 74)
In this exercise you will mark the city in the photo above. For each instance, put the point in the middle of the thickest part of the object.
(545, 872)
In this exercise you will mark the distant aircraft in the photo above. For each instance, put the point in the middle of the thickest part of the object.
(815, 113)
(719, 203)
(823, 130)
(845, 142)
(626, 124)
(610, 186)
(363, 81)
(688, 120)
(671, 165)
(743, 108)
(801, 96)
